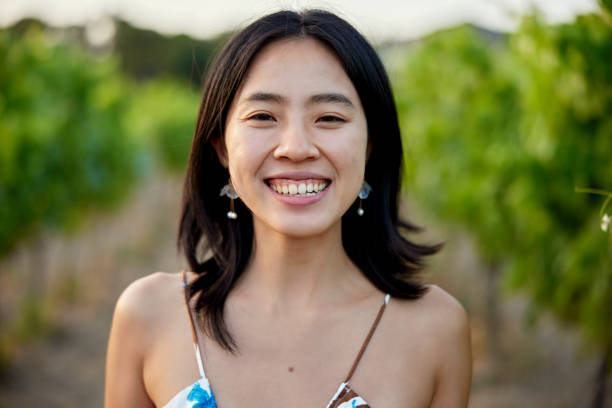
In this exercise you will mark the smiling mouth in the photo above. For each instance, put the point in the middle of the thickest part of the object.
(298, 188)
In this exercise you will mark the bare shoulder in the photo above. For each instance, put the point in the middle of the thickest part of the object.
(438, 317)
(449, 323)
(444, 328)
(430, 339)
(149, 287)
(145, 301)
(443, 309)
(141, 312)
(436, 305)
(146, 291)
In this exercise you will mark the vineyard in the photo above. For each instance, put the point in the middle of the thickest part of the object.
(508, 147)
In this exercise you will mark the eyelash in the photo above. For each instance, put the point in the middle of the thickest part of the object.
(326, 118)
(330, 118)
(260, 116)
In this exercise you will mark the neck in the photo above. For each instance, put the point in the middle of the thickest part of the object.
(297, 273)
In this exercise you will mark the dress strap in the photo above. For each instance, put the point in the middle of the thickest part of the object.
(193, 330)
(368, 338)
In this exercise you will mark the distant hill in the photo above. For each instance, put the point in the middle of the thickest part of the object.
(143, 53)
(146, 53)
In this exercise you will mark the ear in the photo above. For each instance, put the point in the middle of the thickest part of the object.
(219, 146)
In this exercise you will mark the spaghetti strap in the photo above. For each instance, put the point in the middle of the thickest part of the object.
(193, 330)
(367, 339)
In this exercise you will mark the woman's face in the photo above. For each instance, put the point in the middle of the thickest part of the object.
(296, 138)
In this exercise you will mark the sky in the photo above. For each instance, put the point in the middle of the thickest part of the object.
(379, 20)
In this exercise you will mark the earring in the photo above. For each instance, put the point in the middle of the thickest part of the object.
(228, 190)
(363, 194)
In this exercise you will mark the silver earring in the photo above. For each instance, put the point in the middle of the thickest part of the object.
(228, 190)
(363, 194)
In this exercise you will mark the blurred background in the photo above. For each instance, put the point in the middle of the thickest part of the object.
(506, 113)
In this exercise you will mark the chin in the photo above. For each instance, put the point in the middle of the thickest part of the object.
(302, 233)
(301, 227)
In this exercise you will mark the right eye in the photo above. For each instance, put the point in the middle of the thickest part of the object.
(261, 116)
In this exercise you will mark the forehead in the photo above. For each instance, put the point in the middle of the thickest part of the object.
(297, 65)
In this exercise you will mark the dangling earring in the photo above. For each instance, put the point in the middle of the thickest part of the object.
(228, 190)
(363, 194)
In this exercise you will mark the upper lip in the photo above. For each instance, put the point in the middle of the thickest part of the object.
(297, 175)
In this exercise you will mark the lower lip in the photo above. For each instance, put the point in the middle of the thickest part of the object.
(300, 200)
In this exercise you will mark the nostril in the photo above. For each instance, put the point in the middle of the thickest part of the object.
(296, 147)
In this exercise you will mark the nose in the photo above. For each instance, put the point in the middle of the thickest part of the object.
(295, 143)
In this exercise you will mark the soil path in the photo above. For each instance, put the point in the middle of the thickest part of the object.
(67, 368)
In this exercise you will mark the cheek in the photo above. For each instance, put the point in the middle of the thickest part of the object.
(246, 152)
(348, 149)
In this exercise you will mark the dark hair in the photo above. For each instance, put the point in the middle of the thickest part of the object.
(373, 242)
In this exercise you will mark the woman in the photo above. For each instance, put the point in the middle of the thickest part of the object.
(302, 292)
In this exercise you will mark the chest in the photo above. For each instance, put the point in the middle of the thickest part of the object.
(312, 377)
(280, 364)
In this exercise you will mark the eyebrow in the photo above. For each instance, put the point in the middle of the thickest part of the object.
(264, 97)
(330, 97)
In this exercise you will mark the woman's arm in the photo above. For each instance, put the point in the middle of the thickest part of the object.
(454, 375)
(124, 385)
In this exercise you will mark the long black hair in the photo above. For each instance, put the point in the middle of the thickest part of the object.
(218, 248)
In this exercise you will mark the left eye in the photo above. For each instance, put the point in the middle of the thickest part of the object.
(330, 118)
(261, 116)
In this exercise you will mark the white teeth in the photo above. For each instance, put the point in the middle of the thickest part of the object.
(299, 190)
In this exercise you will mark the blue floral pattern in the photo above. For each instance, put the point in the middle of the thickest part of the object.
(198, 395)
(203, 398)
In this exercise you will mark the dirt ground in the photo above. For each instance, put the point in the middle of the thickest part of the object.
(545, 366)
